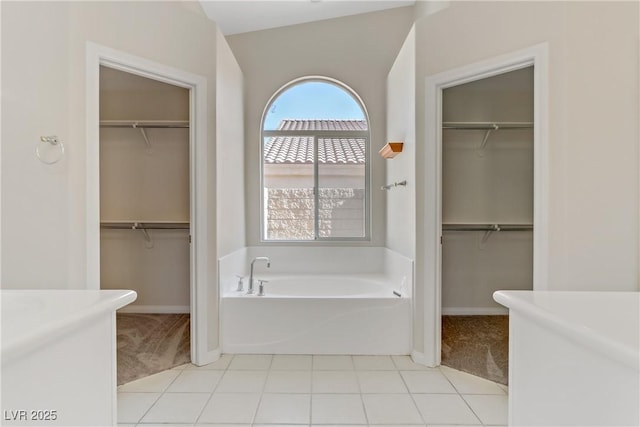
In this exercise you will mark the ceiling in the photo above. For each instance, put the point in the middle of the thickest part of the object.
(241, 16)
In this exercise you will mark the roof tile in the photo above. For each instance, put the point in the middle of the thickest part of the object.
(299, 149)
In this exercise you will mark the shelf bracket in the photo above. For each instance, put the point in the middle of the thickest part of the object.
(144, 134)
(486, 138)
(145, 234)
(487, 234)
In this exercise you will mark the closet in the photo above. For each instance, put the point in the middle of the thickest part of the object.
(144, 217)
(487, 215)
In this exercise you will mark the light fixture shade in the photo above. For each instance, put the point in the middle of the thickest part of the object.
(391, 149)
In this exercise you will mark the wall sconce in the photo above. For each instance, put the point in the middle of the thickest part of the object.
(391, 149)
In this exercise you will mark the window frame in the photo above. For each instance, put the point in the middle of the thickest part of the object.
(366, 135)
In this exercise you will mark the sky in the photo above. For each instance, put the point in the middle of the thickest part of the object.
(313, 100)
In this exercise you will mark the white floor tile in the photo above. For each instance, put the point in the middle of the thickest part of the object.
(251, 362)
(470, 384)
(164, 425)
(288, 382)
(374, 363)
(342, 388)
(334, 382)
(242, 382)
(391, 409)
(230, 408)
(405, 363)
(181, 367)
(220, 364)
(337, 409)
(220, 425)
(427, 382)
(452, 425)
(332, 363)
(133, 406)
(284, 409)
(404, 425)
(291, 362)
(277, 425)
(190, 381)
(444, 409)
(381, 382)
(177, 408)
(151, 384)
(491, 409)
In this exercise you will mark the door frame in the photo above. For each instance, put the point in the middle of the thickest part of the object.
(536, 56)
(96, 56)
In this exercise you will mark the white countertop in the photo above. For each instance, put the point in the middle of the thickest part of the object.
(31, 318)
(607, 322)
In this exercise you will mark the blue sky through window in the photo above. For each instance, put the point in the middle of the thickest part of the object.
(312, 100)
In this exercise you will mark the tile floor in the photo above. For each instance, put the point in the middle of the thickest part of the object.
(245, 390)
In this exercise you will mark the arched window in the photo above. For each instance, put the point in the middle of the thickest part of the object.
(315, 155)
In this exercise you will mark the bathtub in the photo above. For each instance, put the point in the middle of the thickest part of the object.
(329, 314)
(318, 301)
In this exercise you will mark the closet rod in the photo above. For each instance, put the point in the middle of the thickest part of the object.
(487, 125)
(140, 225)
(139, 124)
(487, 227)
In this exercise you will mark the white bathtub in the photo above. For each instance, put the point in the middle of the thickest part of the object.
(318, 314)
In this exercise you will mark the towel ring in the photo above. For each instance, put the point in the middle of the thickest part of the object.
(44, 147)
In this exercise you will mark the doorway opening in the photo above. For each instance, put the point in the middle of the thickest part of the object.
(185, 218)
(145, 218)
(487, 216)
(463, 224)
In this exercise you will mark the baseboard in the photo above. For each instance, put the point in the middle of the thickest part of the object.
(418, 357)
(148, 309)
(209, 357)
(421, 359)
(474, 311)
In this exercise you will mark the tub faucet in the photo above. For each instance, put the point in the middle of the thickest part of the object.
(260, 258)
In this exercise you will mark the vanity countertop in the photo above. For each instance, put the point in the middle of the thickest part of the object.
(606, 322)
(32, 318)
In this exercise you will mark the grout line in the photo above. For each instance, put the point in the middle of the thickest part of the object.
(364, 408)
(424, 421)
(463, 399)
(224, 372)
(264, 386)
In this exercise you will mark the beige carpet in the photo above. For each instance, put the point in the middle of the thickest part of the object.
(478, 345)
(150, 343)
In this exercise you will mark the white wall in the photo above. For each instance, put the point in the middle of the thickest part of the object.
(401, 126)
(35, 197)
(230, 150)
(356, 50)
(593, 126)
(43, 92)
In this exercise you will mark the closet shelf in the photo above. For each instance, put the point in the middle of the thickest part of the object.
(137, 124)
(487, 125)
(145, 225)
(487, 227)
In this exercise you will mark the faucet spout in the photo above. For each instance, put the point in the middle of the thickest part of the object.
(260, 258)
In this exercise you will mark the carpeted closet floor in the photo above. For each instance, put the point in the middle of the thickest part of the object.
(150, 343)
(478, 345)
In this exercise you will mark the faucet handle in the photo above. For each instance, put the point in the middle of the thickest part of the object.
(261, 287)
(240, 279)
